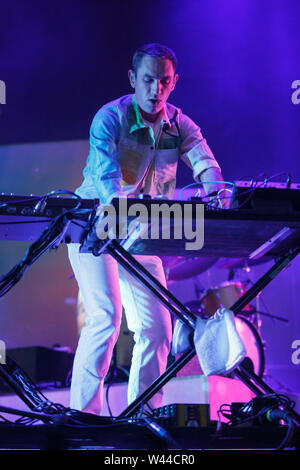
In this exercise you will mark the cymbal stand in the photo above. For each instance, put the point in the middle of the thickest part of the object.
(257, 312)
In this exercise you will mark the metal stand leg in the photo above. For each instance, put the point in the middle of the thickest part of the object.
(259, 387)
(135, 406)
(21, 384)
(30, 394)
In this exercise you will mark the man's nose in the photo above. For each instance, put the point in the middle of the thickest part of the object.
(156, 87)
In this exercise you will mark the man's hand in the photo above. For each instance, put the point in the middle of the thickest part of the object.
(213, 184)
(106, 226)
(106, 223)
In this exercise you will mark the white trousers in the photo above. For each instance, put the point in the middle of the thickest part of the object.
(106, 286)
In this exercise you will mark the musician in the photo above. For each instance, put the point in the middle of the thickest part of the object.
(135, 143)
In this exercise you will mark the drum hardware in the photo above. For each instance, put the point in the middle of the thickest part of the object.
(239, 263)
(225, 295)
(251, 380)
(256, 316)
(248, 321)
(180, 268)
(269, 315)
(253, 312)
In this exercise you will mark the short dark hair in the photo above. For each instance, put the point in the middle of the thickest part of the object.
(153, 50)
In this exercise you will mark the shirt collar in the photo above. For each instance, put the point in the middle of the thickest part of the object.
(135, 118)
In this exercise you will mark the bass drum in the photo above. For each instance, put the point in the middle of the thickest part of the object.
(224, 295)
(253, 344)
(255, 359)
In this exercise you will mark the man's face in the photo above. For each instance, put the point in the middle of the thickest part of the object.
(153, 82)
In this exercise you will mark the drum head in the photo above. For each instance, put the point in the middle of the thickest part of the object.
(224, 295)
(253, 344)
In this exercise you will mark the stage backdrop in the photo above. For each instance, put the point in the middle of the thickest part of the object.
(238, 79)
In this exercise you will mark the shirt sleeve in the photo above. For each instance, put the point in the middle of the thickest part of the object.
(102, 163)
(194, 149)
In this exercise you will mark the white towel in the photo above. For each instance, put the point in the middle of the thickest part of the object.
(218, 345)
(182, 338)
(217, 342)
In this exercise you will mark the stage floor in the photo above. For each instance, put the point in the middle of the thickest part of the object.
(119, 434)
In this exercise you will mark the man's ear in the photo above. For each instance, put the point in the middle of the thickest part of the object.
(175, 80)
(131, 76)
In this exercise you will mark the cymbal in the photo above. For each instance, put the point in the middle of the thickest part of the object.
(238, 263)
(194, 306)
(181, 268)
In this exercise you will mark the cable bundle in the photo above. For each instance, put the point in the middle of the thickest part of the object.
(266, 409)
(47, 239)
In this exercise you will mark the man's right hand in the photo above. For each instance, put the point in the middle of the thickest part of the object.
(107, 221)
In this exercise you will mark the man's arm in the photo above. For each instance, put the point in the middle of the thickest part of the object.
(102, 163)
(213, 182)
(196, 153)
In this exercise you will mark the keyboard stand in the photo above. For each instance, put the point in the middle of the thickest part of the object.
(254, 383)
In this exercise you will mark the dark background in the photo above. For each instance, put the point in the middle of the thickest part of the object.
(61, 60)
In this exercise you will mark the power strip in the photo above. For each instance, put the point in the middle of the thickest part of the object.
(183, 415)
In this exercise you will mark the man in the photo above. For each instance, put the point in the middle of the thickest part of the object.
(135, 143)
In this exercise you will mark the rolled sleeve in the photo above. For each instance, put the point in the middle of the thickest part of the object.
(194, 150)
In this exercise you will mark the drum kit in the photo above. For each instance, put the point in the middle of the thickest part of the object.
(225, 294)
(248, 322)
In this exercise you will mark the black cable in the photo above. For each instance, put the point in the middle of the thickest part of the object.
(109, 381)
(44, 198)
(46, 240)
(20, 222)
(107, 399)
(38, 403)
(161, 433)
(78, 224)
(18, 201)
(251, 191)
(256, 186)
(273, 413)
(276, 415)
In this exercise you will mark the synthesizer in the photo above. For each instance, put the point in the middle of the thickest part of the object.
(268, 221)
(22, 220)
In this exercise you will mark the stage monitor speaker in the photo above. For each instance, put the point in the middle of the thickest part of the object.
(44, 366)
